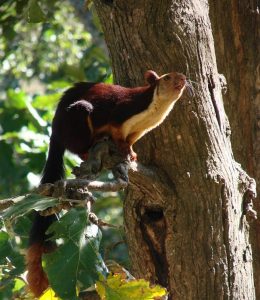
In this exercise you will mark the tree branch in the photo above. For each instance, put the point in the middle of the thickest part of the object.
(103, 155)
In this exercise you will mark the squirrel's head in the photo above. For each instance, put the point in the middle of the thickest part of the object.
(169, 86)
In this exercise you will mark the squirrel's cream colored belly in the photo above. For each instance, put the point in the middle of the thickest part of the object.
(147, 120)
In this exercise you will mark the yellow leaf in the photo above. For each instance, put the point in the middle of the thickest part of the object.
(117, 288)
(49, 294)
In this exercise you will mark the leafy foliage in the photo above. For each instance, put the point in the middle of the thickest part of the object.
(11, 266)
(117, 288)
(25, 204)
(80, 250)
(75, 264)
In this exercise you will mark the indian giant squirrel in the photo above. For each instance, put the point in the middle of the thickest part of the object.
(84, 113)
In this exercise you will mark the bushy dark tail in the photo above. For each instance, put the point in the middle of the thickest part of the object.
(53, 171)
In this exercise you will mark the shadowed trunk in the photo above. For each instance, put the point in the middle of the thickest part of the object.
(237, 45)
(184, 211)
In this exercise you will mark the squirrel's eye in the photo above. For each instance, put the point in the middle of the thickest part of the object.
(167, 77)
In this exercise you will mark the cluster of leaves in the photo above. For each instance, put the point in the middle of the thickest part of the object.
(117, 288)
(76, 264)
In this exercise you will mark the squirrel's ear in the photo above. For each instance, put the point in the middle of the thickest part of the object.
(151, 77)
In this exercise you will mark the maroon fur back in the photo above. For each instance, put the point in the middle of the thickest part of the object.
(105, 104)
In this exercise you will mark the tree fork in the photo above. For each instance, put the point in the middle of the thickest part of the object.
(189, 225)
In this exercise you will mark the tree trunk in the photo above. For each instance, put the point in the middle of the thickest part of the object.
(184, 215)
(237, 45)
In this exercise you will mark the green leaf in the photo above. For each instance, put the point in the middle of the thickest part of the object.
(16, 99)
(19, 284)
(35, 116)
(77, 261)
(109, 79)
(6, 292)
(59, 84)
(74, 71)
(27, 203)
(34, 12)
(7, 251)
(21, 227)
(5, 246)
(19, 6)
(18, 263)
(8, 28)
(117, 288)
(46, 101)
(61, 267)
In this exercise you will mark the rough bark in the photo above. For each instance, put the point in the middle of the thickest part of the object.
(184, 216)
(236, 28)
